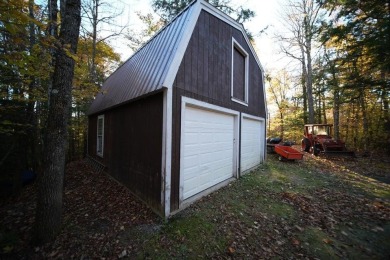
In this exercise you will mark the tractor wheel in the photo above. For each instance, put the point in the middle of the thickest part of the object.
(305, 145)
(316, 150)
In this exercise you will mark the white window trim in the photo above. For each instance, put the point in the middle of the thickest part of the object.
(97, 137)
(235, 44)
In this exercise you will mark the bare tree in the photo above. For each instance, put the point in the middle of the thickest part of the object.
(98, 13)
(150, 26)
(300, 18)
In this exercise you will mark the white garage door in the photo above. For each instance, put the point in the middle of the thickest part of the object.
(251, 143)
(207, 149)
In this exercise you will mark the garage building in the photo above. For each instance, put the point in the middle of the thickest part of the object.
(184, 115)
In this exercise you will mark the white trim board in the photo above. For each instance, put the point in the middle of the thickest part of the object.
(245, 102)
(207, 106)
(100, 117)
(244, 115)
(166, 168)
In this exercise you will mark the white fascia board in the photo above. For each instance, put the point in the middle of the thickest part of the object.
(221, 15)
(265, 98)
(183, 43)
(257, 118)
(207, 106)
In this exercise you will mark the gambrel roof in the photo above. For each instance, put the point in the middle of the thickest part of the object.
(155, 65)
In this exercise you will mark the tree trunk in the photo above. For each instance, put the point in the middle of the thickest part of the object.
(50, 189)
(319, 108)
(281, 125)
(53, 11)
(304, 91)
(336, 113)
(347, 134)
(386, 116)
(52, 30)
(95, 14)
(309, 79)
(33, 143)
(324, 112)
(356, 119)
(365, 121)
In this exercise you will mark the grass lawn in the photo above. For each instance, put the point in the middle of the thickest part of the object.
(283, 210)
(315, 208)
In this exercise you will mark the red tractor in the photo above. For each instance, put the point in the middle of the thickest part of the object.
(318, 140)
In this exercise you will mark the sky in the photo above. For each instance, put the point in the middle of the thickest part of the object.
(267, 14)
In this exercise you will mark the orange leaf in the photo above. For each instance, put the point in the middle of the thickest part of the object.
(295, 242)
(327, 241)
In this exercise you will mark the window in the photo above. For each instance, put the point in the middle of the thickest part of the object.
(100, 136)
(240, 65)
(321, 130)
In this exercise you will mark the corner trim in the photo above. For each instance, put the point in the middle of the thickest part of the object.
(166, 165)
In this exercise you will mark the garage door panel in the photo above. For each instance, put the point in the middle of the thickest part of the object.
(206, 137)
(207, 149)
(192, 138)
(250, 143)
(191, 161)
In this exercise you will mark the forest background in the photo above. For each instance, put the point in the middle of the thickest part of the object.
(332, 67)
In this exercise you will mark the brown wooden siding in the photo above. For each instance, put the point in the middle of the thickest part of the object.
(206, 66)
(205, 74)
(133, 146)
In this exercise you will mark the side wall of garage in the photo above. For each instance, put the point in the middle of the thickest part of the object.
(133, 146)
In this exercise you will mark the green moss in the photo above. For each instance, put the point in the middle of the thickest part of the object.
(8, 241)
(252, 206)
(184, 237)
(318, 244)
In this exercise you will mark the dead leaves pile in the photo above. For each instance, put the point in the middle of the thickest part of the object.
(328, 208)
(97, 212)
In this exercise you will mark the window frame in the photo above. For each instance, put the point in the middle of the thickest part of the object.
(100, 153)
(236, 45)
